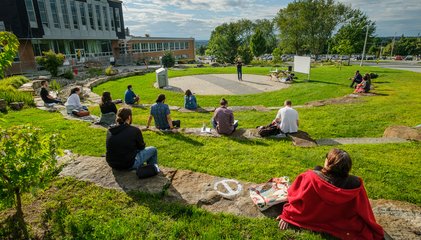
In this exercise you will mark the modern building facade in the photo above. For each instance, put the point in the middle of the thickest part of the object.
(80, 29)
(152, 48)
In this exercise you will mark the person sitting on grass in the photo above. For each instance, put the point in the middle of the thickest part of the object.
(190, 101)
(126, 149)
(160, 112)
(328, 199)
(356, 79)
(365, 85)
(45, 95)
(73, 105)
(223, 119)
(287, 118)
(108, 109)
(130, 97)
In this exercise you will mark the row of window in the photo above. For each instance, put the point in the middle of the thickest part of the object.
(159, 46)
(72, 47)
(107, 18)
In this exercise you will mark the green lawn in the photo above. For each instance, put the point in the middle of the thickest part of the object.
(389, 170)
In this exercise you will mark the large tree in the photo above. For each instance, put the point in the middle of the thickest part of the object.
(267, 28)
(309, 24)
(258, 43)
(224, 43)
(354, 31)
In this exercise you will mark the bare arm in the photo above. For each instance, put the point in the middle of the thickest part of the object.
(169, 121)
(149, 121)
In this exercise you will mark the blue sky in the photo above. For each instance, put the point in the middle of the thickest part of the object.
(197, 18)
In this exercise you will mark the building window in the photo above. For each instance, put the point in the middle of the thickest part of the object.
(145, 47)
(104, 10)
(186, 45)
(65, 14)
(91, 16)
(182, 45)
(166, 46)
(152, 47)
(54, 12)
(177, 45)
(43, 12)
(82, 13)
(74, 15)
(112, 19)
(159, 47)
(172, 46)
(98, 17)
(117, 19)
(136, 47)
(31, 13)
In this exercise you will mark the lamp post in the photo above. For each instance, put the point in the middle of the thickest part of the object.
(393, 45)
(365, 44)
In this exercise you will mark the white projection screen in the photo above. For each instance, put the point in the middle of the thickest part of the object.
(302, 64)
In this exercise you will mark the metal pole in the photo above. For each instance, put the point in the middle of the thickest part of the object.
(393, 45)
(365, 44)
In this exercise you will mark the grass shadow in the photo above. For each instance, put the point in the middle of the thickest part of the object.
(331, 83)
(9, 228)
(181, 137)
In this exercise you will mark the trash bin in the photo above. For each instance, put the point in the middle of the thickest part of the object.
(289, 68)
(162, 77)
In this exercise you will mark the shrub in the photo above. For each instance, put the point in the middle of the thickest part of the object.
(9, 46)
(168, 60)
(54, 85)
(245, 54)
(51, 61)
(109, 71)
(10, 94)
(94, 72)
(68, 74)
(154, 62)
(28, 160)
(15, 81)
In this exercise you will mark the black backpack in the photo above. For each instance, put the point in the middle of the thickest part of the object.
(268, 130)
(147, 171)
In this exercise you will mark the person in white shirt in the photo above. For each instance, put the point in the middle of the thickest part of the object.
(287, 118)
(73, 102)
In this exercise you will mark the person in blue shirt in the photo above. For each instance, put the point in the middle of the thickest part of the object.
(190, 101)
(130, 97)
(161, 115)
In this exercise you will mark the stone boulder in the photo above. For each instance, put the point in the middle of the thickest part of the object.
(302, 139)
(403, 132)
(3, 106)
(17, 105)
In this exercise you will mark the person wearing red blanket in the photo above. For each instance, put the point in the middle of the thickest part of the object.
(328, 199)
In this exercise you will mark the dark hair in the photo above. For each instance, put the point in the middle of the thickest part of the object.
(43, 81)
(367, 76)
(123, 114)
(288, 102)
(338, 163)
(106, 97)
(223, 101)
(160, 98)
(129, 86)
(188, 93)
(357, 71)
(74, 90)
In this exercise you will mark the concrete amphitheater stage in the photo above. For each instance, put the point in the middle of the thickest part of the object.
(226, 84)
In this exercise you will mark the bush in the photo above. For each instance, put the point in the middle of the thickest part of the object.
(245, 54)
(9, 46)
(109, 71)
(54, 85)
(154, 62)
(94, 72)
(15, 81)
(10, 94)
(51, 61)
(168, 60)
(215, 64)
(68, 74)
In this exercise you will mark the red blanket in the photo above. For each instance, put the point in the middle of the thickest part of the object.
(320, 206)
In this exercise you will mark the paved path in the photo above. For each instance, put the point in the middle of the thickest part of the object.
(226, 84)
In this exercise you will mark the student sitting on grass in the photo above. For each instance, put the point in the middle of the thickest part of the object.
(287, 118)
(45, 95)
(328, 199)
(160, 112)
(223, 119)
(73, 105)
(365, 85)
(356, 79)
(108, 109)
(190, 101)
(130, 97)
(126, 149)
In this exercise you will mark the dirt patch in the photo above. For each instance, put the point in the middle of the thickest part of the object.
(351, 98)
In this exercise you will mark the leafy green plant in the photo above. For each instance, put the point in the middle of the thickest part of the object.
(94, 72)
(51, 61)
(68, 74)
(27, 160)
(15, 81)
(9, 44)
(109, 71)
(54, 85)
(10, 94)
(168, 60)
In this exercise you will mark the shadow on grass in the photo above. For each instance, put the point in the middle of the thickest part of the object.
(331, 83)
(9, 229)
(380, 82)
(184, 138)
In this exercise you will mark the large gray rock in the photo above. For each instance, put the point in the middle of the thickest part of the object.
(302, 139)
(403, 132)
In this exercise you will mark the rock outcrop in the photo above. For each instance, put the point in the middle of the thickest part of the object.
(403, 132)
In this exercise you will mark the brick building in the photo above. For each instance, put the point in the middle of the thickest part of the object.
(80, 29)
